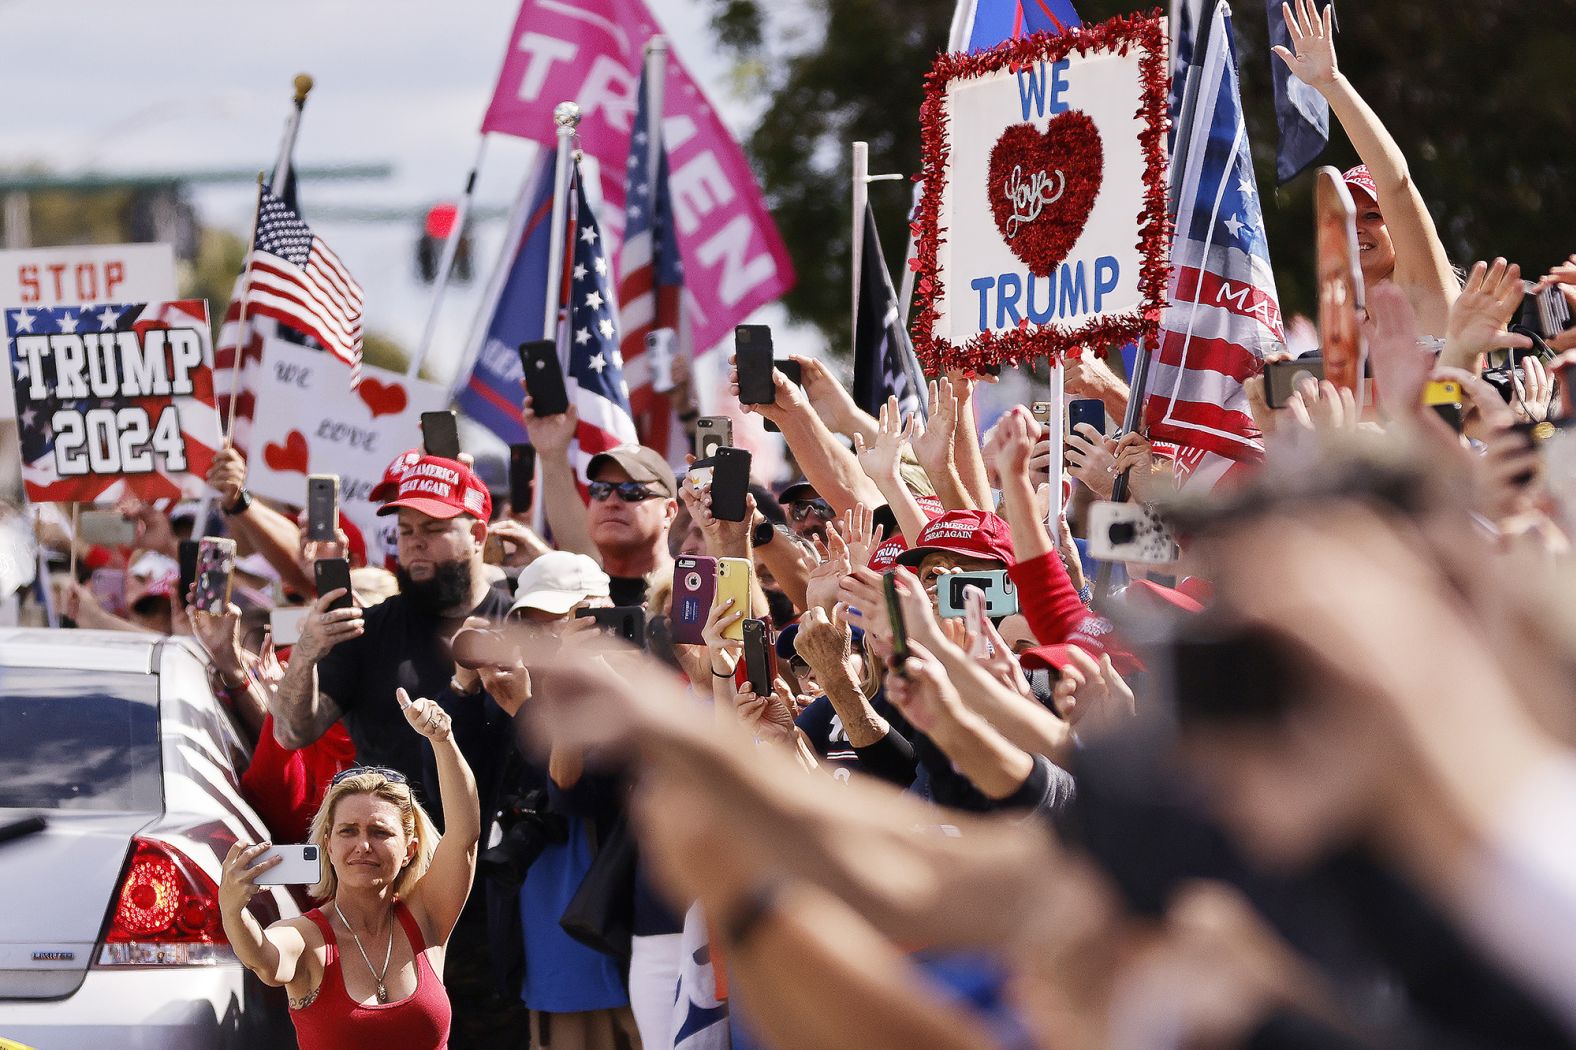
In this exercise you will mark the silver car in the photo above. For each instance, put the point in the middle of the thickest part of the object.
(119, 797)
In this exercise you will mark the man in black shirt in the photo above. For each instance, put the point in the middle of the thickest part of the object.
(349, 661)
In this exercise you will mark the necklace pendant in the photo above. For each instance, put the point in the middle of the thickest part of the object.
(383, 993)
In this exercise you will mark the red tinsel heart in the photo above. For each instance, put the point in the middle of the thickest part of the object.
(292, 455)
(383, 399)
(1043, 185)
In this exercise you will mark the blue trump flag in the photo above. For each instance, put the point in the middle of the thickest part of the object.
(491, 395)
(979, 25)
(1301, 113)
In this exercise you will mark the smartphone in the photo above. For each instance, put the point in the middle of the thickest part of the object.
(1041, 411)
(1129, 532)
(752, 347)
(1444, 397)
(1281, 378)
(109, 587)
(1001, 596)
(301, 866)
(186, 556)
(1340, 281)
(440, 433)
(730, 483)
(106, 528)
(659, 358)
(1089, 410)
(332, 574)
(626, 621)
(759, 657)
(733, 581)
(895, 617)
(522, 477)
(792, 370)
(284, 623)
(694, 587)
(215, 563)
(322, 507)
(711, 433)
(544, 377)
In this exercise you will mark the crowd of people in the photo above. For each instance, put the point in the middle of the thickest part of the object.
(1300, 786)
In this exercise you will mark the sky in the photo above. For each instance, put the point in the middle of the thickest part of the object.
(174, 85)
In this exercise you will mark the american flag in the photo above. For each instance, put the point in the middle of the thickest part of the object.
(1223, 314)
(651, 280)
(595, 372)
(178, 466)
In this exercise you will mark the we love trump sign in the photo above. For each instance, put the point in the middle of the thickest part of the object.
(1042, 225)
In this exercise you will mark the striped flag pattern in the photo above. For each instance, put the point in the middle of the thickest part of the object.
(1223, 314)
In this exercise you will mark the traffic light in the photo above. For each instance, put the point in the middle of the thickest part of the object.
(436, 227)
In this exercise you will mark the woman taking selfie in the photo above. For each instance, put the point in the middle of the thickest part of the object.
(366, 968)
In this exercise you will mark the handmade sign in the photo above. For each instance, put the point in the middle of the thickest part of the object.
(113, 399)
(308, 423)
(1042, 224)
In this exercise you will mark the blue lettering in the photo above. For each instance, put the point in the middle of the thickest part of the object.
(1036, 314)
(1058, 86)
(1031, 88)
(1106, 273)
(1075, 290)
(983, 285)
(1007, 300)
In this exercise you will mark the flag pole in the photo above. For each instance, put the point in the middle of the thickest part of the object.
(76, 522)
(656, 83)
(243, 331)
(451, 249)
(566, 115)
(303, 87)
(856, 240)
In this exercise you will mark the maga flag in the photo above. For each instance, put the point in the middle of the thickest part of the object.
(884, 361)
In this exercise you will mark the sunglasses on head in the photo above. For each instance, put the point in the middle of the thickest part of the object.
(628, 491)
(393, 776)
(800, 509)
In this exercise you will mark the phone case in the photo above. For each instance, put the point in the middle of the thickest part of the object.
(109, 587)
(186, 557)
(544, 378)
(1129, 532)
(1281, 378)
(753, 358)
(322, 507)
(894, 610)
(1442, 392)
(712, 432)
(522, 477)
(1041, 411)
(1086, 410)
(758, 654)
(694, 587)
(730, 483)
(1001, 597)
(302, 866)
(332, 574)
(626, 621)
(1340, 280)
(733, 581)
(440, 434)
(215, 563)
(107, 528)
(792, 370)
(284, 623)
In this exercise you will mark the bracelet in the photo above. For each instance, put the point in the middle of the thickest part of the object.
(756, 907)
(1086, 594)
(718, 674)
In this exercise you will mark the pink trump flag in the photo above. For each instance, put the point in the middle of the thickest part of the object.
(590, 52)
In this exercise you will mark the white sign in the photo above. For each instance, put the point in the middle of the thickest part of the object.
(79, 274)
(308, 421)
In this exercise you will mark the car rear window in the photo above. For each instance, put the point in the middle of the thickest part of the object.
(79, 740)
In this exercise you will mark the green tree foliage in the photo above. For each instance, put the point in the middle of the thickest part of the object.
(1475, 91)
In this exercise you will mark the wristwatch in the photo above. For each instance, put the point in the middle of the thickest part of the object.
(242, 504)
(762, 534)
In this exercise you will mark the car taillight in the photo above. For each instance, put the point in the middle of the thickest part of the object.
(166, 913)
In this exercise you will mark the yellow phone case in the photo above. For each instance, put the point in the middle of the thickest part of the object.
(733, 581)
(1442, 392)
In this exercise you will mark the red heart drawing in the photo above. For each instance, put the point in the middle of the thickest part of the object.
(1043, 185)
(292, 455)
(384, 399)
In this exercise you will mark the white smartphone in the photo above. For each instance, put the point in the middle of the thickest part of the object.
(1129, 532)
(285, 623)
(107, 528)
(302, 866)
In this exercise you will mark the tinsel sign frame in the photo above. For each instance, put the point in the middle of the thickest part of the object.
(1020, 226)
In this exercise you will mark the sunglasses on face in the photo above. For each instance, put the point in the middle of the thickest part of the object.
(800, 509)
(393, 776)
(628, 491)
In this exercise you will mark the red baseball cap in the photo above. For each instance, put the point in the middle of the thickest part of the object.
(441, 488)
(971, 533)
(1360, 180)
(386, 489)
(1047, 657)
(886, 552)
(1154, 596)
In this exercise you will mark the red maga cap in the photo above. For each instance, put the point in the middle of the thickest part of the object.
(970, 533)
(1359, 179)
(388, 488)
(441, 488)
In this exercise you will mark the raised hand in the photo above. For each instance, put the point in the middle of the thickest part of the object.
(1534, 392)
(771, 716)
(859, 532)
(725, 651)
(1087, 375)
(822, 582)
(238, 876)
(827, 396)
(220, 637)
(1312, 55)
(227, 475)
(1091, 458)
(1322, 406)
(550, 434)
(1480, 313)
(1400, 365)
(325, 628)
(932, 438)
(880, 460)
(425, 716)
(1013, 442)
(824, 640)
(923, 692)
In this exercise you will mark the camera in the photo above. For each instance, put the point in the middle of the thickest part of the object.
(527, 829)
(1544, 314)
(308, 852)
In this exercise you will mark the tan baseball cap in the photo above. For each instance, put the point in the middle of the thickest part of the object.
(642, 464)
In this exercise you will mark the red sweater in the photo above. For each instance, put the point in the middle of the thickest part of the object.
(1056, 615)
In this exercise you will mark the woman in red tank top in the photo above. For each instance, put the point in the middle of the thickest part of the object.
(366, 968)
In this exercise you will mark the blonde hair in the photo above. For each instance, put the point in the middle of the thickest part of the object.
(413, 819)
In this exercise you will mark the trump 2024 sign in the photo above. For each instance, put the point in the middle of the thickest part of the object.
(1042, 224)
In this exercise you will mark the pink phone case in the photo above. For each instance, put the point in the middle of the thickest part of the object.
(694, 587)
